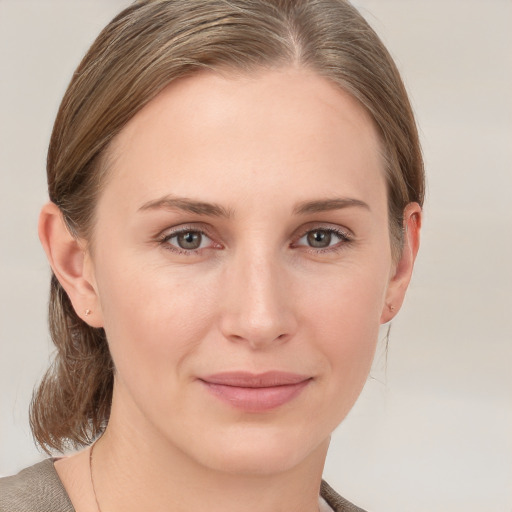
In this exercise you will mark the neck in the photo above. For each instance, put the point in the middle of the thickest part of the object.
(135, 471)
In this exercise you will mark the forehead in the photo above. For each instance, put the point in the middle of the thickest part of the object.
(272, 130)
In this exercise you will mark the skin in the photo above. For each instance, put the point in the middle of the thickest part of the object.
(267, 150)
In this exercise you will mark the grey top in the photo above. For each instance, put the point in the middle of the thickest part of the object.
(35, 489)
(38, 489)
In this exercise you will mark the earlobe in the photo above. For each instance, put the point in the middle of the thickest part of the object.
(70, 264)
(402, 272)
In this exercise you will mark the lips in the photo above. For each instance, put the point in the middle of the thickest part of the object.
(256, 392)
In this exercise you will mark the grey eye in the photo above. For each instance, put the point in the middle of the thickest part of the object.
(319, 238)
(189, 240)
(323, 238)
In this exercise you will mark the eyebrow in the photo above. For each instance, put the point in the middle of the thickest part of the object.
(325, 205)
(187, 205)
(215, 210)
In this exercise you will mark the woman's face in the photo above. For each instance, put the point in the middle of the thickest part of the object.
(241, 265)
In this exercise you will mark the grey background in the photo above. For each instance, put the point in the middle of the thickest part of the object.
(432, 430)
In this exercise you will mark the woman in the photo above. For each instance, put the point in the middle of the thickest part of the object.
(235, 204)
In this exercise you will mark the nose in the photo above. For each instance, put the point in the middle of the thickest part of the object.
(257, 303)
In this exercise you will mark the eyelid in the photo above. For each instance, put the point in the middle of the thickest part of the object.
(333, 228)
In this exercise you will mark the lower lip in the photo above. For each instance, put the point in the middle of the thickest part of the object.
(256, 399)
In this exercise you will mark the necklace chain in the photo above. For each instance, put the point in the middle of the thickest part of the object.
(92, 478)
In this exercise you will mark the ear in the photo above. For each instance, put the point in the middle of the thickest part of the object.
(402, 272)
(71, 264)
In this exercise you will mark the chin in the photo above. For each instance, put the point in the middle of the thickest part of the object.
(260, 451)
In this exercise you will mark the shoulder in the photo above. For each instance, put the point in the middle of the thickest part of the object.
(337, 502)
(34, 489)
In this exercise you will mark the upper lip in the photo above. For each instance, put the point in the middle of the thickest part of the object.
(255, 380)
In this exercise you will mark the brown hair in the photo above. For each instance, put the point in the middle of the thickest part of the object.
(142, 50)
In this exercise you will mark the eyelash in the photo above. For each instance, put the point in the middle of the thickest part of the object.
(164, 240)
(344, 240)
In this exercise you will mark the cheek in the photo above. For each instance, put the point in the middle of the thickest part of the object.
(152, 316)
(343, 322)
(348, 301)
